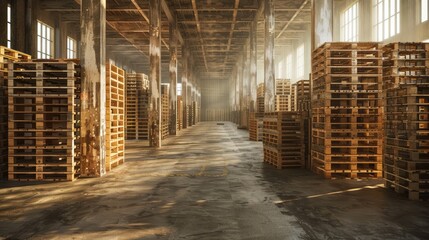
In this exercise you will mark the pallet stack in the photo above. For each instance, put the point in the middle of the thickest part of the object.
(194, 112)
(137, 104)
(406, 85)
(7, 56)
(293, 97)
(303, 96)
(303, 108)
(260, 98)
(283, 139)
(44, 120)
(115, 116)
(256, 123)
(189, 112)
(165, 110)
(283, 95)
(347, 110)
(179, 113)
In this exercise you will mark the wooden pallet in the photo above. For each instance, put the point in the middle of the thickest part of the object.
(165, 110)
(115, 116)
(137, 104)
(283, 103)
(260, 91)
(7, 56)
(347, 116)
(256, 122)
(406, 156)
(260, 104)
(44, 121)
(283, 87)
(179, 113)
(283, 139)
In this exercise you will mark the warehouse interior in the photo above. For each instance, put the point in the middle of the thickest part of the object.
(204, 119)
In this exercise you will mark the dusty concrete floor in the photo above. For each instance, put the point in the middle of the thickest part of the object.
(208, 183)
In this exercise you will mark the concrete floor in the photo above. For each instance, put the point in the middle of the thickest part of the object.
(208, 183)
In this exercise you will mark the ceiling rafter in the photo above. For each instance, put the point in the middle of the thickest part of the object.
(293, 18)
(194, 6)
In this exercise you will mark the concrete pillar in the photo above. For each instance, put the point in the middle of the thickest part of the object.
(269, 56)
(322, 22)
(3, 23)
(93, 102)
(155, 73)
(173, 80)
(240, 90)
(185, 59)
(253, 65)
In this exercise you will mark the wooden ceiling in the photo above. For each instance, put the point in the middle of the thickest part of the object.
(215, 31)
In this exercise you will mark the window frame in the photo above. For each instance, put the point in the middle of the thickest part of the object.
(71, 48)
(424, 11)
(350, 23)
(385, 27)
(9, 26)
(45, 41)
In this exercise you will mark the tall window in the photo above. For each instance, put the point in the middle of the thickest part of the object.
(300, 61)
(349, 24)
(45, 43)
(9, 26)
(71, 48)
(289, 66)
(179, 89)
(424, 10)
(387, 18)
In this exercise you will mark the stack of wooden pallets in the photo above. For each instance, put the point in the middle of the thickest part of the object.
(303, 96)
(44, 120)
(293, 97)
(194, 112)
(303, 108)
(283, 139)
(283, 95)
(165, 110)
(260, 96)
(255, 126)
(115, 116)
(406, 82)
(7, 56)
(189, 111)
(347, 110)
(136, 109)
(179, 113)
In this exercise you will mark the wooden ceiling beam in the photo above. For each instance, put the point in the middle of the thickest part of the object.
(293, 18)
(194, 6)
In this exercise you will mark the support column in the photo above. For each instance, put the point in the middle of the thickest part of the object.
(155, 73)
(93, 87)
(322, 21)
(3, 22)
(269, 56)
(253, 65)
(185, 56)
(240, 67)
(173, 80)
